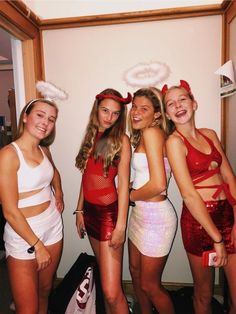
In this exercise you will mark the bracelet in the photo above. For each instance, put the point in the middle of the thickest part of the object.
(32, 248)
(131, 203)
(78, 211)
(218, 242)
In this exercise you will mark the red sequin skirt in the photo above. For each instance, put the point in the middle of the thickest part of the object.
(100, 220)
(195, 238)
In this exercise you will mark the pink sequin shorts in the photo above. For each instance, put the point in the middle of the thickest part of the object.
(152, 227)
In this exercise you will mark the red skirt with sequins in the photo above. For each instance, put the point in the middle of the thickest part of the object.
(195, 238)
(100, 220)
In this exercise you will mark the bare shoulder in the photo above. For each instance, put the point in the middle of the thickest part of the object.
(125, 140)
(149, 133)
(8, 156)
(209, 133)
(174, 139)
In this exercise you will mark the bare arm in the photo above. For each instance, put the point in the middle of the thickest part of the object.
(56, 183)
(79, 213)
(227, 174)
(118, 235)
(176, 152)
(154, 142)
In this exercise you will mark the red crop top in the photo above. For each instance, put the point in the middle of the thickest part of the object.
(199, 163)
(98, 189)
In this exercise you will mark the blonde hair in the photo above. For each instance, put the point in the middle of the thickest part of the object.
(155, 97)
(27, 110)
(170, 126)
(108, 147)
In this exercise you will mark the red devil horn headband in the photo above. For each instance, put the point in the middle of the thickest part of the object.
(182, 84)
(125, 101)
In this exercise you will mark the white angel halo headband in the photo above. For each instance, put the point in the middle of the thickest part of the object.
(49, 92)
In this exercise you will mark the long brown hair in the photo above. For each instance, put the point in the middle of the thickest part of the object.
(109, 146)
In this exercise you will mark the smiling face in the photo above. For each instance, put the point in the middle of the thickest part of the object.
(179, 106)
(142, 113)
(108, 113)
(40, 122)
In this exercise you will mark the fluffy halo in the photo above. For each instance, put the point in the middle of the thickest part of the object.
(146, 74)
(50, 91)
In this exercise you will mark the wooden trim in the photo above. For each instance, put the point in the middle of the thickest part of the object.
(15, 20)
(131, 17)
(226, 4)
(25, 11)
(229, 15)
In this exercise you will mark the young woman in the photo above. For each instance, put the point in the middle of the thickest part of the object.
(208, 187)
(32, 201)
(153, 220)
(102, 208)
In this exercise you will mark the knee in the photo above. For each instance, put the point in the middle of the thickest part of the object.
(44, 290)
(134, 271)
(202, 297)
(112, 296)
(150, 288)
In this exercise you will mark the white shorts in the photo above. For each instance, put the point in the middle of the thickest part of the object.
(152, 227)
(47, 226)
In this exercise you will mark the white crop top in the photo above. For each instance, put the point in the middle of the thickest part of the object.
(34, 178)
(139, 164)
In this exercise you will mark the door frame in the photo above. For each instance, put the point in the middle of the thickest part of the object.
(24, 25)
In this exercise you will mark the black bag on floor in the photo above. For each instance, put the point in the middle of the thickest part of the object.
(183, 302)
(78, 275)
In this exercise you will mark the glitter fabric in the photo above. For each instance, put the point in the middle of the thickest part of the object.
(152, 227)
(195, 238)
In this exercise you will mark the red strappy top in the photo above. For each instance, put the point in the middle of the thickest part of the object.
(98, 189)
(199, 163)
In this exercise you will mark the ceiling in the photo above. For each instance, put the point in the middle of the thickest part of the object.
(49, 9)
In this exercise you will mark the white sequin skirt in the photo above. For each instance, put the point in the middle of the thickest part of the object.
(152, 227)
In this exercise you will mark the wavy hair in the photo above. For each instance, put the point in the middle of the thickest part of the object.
(108, 147)
(47, 141)
(155, 97)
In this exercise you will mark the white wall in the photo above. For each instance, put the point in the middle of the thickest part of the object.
(84, 61)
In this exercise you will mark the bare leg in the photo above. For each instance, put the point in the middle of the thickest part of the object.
(203, 285)
(230, 272)
(23, 278)
(46, 276)
(110, 265)
(151, 273)
(135, 270)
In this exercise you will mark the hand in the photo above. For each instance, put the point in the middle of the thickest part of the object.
(42, 255)
(221, 254)
(80, 225)
(59, 202)
(117, 238)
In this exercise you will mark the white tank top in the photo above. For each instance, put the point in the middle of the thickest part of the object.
(34, 178)
(139, 164)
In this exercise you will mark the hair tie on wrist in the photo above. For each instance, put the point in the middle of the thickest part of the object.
(218, 242)
(78, 211)
(32, 248)
(131, 203)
